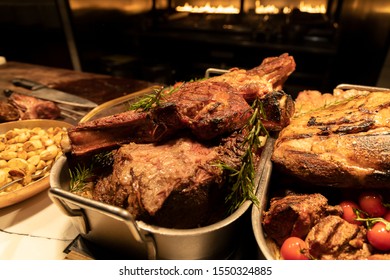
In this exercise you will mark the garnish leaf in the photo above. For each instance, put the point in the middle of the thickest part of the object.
(243, 180)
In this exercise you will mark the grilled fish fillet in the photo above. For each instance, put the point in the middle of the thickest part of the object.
(340, 140)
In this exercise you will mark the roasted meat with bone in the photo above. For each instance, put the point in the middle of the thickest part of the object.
(23, 107)
(166, 168)
(341, 140)
(30, 107)
(209, 108)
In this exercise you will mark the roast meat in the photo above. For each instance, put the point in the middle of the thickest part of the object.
(167, 160)
(310, 217)
(8, 112)
(295, 215)
(30, 107)
(341, 140)
(210, 108)
(333, 238)
(177, 184)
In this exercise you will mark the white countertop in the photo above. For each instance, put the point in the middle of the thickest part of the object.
(35, 229)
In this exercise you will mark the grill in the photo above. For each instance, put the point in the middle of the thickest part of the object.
(173, 40)
(223, 34)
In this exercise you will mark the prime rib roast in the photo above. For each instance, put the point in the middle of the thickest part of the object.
(339, 140)
(165, 159)
(175, 184)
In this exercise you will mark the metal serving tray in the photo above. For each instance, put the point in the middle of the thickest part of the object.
(114, 228)
(270, 184)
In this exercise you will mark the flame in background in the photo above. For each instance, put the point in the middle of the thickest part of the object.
(208, 9)
(259, 8)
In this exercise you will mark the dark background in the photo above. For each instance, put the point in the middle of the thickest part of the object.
(136, 39)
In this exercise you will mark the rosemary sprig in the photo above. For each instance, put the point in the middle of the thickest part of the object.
(80, 177)
(243, 188)
(329, 104)
(152, 100)
(147, 102)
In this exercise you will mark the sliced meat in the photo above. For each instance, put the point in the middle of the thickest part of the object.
(333, 238)
(295, 215)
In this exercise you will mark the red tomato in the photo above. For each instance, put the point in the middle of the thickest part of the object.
(349, 215)
(371, 203)
(294, 248)
(379, 237)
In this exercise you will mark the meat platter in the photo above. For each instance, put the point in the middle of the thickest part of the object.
(137, 239)
(291, 196)
(165, 187)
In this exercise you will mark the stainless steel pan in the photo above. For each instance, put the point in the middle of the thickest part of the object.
(115, 228)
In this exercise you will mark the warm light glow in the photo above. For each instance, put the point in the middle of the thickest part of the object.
(127, 6)
(272, 9)
(208, 9)
(319, 9)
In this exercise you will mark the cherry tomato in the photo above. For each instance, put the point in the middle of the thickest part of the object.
(349, 214)
(294, 248)
(379, 237)
(371, 203)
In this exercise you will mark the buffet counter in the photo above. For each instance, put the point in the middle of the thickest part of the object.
(35, 228)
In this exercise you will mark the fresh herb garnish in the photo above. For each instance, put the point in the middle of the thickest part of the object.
(152, 100)
(81, 175)
(327, 105)
(243, 188)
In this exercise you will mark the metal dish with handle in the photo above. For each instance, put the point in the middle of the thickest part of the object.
(268, 248)
(114, 228)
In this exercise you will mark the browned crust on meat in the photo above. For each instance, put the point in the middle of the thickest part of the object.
(345, 143)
